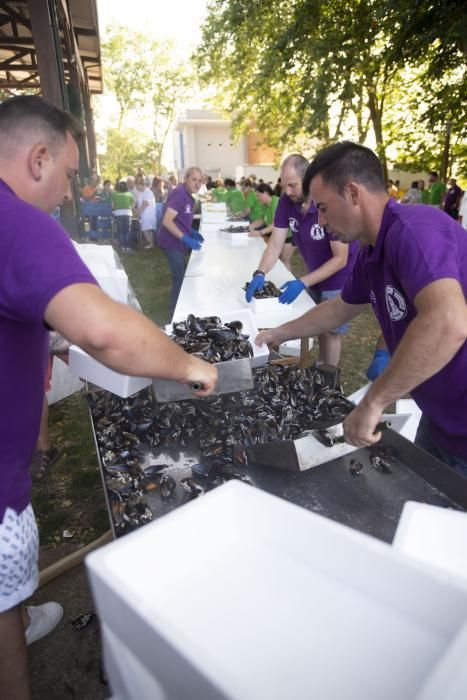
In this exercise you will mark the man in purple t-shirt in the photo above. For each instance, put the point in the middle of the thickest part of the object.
(43, 285)
(328, 261)
(412, 269)
(175, 236)
(452, 199)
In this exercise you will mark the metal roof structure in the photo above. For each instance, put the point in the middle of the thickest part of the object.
(20, 38)
(51, 47)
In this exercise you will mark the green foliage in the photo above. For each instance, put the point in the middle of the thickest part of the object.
(322, 68)
(127, 70)
(126, 152)
(148, 84)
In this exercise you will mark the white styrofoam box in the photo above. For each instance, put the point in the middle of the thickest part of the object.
(63, 382)
(245, 316)
(243, 595)
(214, 218)
(86, 367)
(409, 406)
(358, 395)
(234, 239)
(102, 262)
(269, 305)
(89, 251)
(213, 207)
(113, 282)
(292, 348)
(130, 679)
(448, 679)
(434, 535)
(240, 223)
(206, 229)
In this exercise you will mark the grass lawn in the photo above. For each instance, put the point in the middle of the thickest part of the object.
(71, 498)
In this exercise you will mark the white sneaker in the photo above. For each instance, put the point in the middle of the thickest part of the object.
(42, 620)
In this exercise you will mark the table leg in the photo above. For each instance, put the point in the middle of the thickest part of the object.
(304, 353)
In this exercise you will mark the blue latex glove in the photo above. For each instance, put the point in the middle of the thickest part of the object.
(196, 235)
(256, 283)
(290, 291)
(191, 242)
(378, 364)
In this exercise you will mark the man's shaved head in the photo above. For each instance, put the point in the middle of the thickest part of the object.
(28, 119)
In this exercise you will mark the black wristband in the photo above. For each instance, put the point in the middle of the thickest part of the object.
(259, 272)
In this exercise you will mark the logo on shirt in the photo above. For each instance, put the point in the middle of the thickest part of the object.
(395, 302)
(317, 232)
(293, 224)
(187, 209)
(372, 298)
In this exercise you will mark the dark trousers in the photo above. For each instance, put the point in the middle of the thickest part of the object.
(123, 230)
(177, 264)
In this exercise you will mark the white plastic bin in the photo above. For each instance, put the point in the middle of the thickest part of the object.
(86, 367)
(242, 595)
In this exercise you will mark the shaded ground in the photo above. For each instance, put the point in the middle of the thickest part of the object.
(66, 664)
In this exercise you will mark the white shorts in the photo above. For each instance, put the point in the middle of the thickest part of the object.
(19, 555)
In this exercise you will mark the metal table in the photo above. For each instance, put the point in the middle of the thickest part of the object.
(371, 502)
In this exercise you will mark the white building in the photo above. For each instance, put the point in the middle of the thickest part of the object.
(204, 138)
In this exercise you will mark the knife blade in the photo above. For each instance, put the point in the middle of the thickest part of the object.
(232, 376)
(335, 434)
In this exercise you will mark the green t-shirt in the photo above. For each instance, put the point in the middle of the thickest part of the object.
(424, 196)
(254, 205)
(269, 210)
(235, 201)
(220, 193)
(437, 191)
(122, 200)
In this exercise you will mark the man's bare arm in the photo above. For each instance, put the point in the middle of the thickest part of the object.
(321, 319)
(122, 338)
(340, 256)
(273, 249)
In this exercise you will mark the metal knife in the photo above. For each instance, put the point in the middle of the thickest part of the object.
(334, 435)
(232, 376)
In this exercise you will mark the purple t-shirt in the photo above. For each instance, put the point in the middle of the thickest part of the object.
(452, 197)
(182, 202)
(37, 260)
(417, 245)
(313, 241)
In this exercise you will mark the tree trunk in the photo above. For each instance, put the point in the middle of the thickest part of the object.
(443, 171)
(376, 120)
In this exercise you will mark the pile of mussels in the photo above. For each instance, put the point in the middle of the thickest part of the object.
(212, 340)
(284, 403)
(268, 290)
(240, 228)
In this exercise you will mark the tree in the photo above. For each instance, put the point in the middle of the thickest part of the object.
(127, 69)
(127, 150)
(148, 85)
(433, 39)
(319, 67)
(306, 70)
(170, 87)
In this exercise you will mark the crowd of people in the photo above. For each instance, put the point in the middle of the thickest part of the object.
(149, 194)
(447, 197)
(363, 241)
